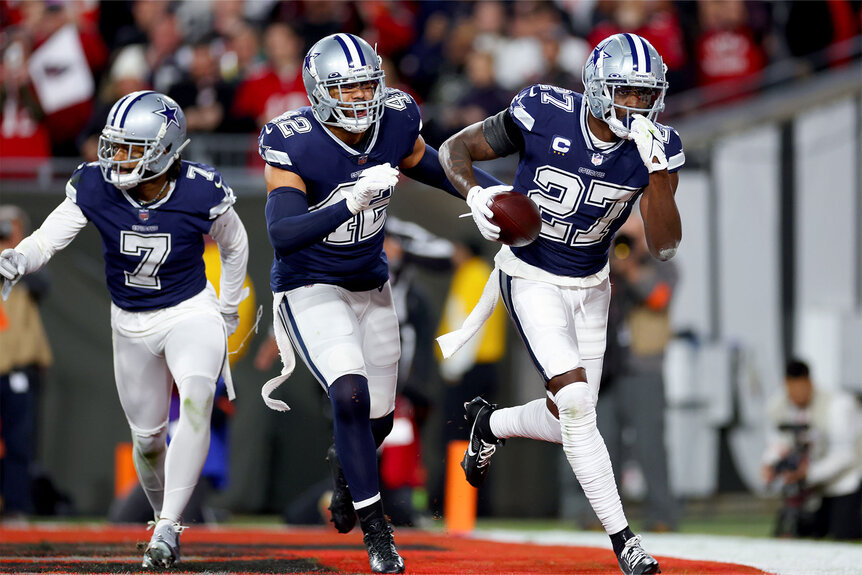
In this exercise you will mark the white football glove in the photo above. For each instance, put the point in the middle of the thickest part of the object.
(479, 200)
(369, 183)
(13, 264)
(650, 144)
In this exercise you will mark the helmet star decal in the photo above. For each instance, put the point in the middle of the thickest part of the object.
(599, 55)
(169, 113)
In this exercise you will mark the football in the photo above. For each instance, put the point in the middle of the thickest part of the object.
(518, 217)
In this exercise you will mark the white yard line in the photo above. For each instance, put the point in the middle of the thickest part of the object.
(779, 556)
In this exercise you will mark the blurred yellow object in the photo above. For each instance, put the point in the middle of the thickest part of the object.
(247, 307)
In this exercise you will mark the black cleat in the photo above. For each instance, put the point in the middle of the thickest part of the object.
(634, 560)
(382, 555)
(343, 515)
(477, 458)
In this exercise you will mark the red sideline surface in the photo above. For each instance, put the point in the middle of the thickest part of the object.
(105, 549)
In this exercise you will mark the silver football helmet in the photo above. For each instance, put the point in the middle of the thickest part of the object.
(144, 135)
(334, 62)
(624, 64)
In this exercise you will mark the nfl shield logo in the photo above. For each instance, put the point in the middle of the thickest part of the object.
(362, 159)
(597, 159)
(143, 215)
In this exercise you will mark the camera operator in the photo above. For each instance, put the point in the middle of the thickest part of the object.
(813, 455)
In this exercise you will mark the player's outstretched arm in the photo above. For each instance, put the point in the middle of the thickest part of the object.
(662, 224)
(423, 165)
(458, 153)
(56, 232)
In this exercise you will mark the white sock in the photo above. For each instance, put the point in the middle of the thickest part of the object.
(189, 446)
(531, 420)
(587, 454)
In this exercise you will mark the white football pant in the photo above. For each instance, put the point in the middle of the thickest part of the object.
(185, 344)
(338, 332)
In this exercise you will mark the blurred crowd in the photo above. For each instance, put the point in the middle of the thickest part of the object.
(233, 65)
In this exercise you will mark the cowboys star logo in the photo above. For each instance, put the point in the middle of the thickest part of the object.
(169, 114)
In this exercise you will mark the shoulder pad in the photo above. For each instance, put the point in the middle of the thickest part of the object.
(75, 180)
(541, 99)
(277, 137)
(672, 147)
(214, 189)
(401, 101)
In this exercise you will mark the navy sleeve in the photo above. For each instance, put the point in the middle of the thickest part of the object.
(291, 227)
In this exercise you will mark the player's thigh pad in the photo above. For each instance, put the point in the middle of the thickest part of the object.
(590, 307)
(381, 344)
(324, 331)
(196, 346)
(143, 380)
(561, 326)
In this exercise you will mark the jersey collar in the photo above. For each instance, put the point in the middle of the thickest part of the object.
(585, 131)
(138, 206)
(345, 147)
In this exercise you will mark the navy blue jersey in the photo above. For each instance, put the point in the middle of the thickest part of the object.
(153, 254)
(585, 194)
(352, 256)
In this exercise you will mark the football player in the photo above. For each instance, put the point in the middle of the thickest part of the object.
(585, 160)
(331, 169)
(152, 210)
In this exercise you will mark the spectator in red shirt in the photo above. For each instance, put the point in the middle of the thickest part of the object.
(655, 20)
(277, 86)
(726, 51)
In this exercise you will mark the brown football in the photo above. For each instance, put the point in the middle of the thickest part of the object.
(518, 217)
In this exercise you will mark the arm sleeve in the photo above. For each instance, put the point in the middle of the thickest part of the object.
(502, 134)
(291, 227)
(56, 232)
(227, 230)
(430, 172)
(841, 454)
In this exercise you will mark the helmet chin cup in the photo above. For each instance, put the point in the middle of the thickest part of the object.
(617, 127)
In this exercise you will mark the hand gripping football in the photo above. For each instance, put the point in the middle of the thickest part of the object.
(518, 217)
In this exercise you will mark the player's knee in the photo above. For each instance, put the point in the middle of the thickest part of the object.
(196, 400)
(575, 400)
(150, 443)
(350, 398)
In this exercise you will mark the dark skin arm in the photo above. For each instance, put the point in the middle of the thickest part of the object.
(662, 225)
(458, 153)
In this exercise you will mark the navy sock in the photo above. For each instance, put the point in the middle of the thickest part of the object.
(354, 441)
(618, 540)
(381, 427)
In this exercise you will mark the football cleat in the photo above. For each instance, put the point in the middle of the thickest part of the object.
(477, 458)
(634, 560)
(382, 555)
(343, 515)
(164, 547)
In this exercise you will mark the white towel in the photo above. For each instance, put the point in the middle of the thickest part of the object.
(288, 360)
(453, 341)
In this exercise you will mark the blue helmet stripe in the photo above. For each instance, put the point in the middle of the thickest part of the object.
(635, 63)
(645, 45)
(118, 107)
(130, 104)
(346, 50)
(358, 48)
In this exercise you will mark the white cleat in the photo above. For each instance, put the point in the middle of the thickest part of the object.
(164, 547)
